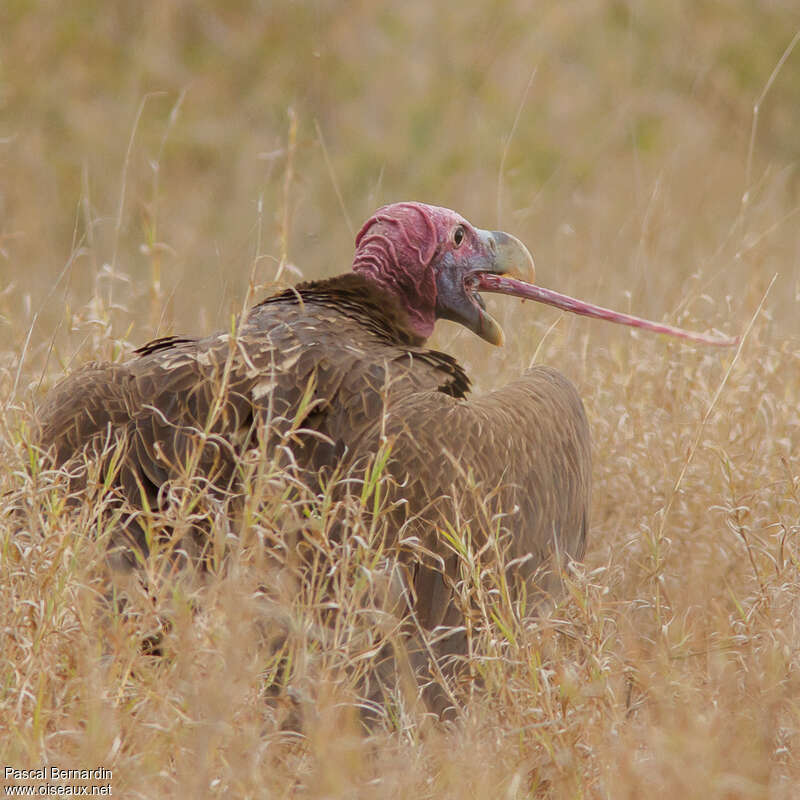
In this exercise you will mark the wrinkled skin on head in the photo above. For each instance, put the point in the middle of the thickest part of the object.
(435, 263)
(426, 256)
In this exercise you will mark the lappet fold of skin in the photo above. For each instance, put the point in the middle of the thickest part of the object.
(329, 372)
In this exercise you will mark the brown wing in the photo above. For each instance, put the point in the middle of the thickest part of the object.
(82, 406)
(522, 452)
(308, 366)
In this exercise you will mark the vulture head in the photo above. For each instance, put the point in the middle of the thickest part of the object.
(430, 257)
(435, 263)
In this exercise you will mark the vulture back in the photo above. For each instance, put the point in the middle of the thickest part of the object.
(309, 368)
(327, 375)
(514, 463)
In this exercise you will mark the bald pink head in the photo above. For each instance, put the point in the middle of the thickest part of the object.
(435, 263)
(396, 248)
(424, 255)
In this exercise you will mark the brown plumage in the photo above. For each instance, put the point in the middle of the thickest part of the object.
(337, 367)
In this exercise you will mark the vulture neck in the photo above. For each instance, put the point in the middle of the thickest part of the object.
(403, 272)
(358, 297)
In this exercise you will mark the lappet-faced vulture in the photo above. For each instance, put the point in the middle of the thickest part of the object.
(342, 364)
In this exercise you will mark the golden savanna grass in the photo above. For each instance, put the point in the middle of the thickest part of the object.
(163, 166)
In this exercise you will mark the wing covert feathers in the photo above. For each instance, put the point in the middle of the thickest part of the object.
(332, 366)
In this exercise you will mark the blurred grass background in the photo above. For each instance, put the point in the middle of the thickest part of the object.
(611, 136)
(159, 162)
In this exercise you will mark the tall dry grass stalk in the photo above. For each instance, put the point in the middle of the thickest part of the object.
(667, 664)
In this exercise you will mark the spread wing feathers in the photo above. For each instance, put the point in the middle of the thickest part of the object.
(332, 367)
(525, 447)
(298, 364)
(81, 407)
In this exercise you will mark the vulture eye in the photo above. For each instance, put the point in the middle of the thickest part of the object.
(458, 235)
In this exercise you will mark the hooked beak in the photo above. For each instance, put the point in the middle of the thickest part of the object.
(511, 258)
(508, 268)
(500, 255)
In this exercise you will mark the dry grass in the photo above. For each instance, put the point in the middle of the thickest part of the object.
(153, 178)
